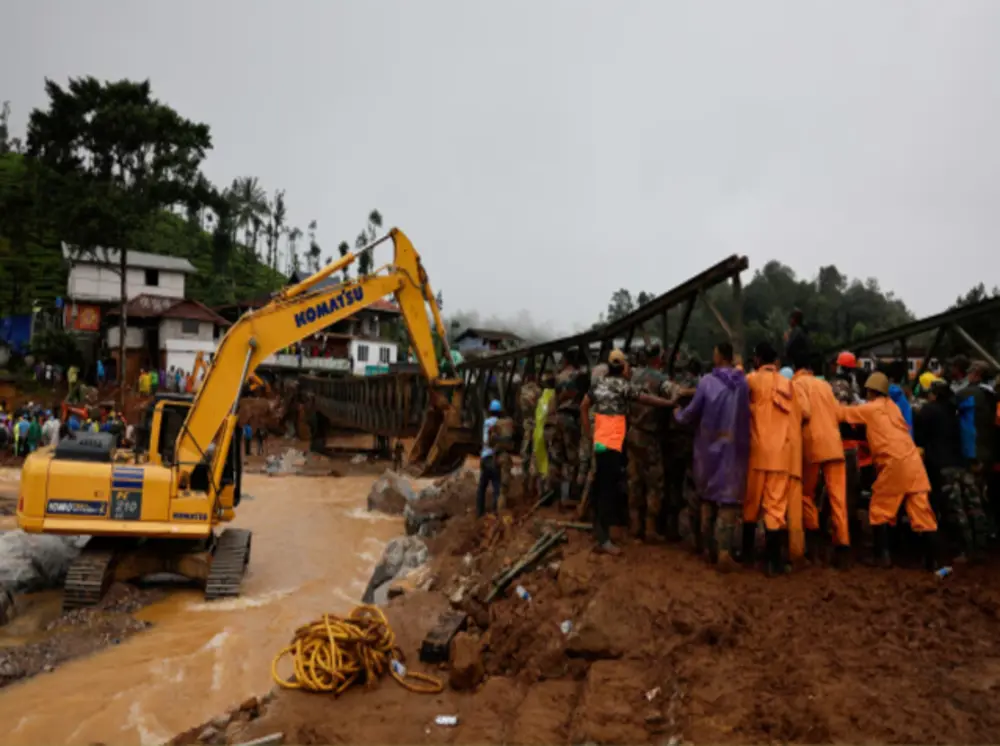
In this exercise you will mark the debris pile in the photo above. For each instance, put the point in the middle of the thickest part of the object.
(32, 562)
(452, 496)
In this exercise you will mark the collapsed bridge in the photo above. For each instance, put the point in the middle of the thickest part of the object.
(392, 405)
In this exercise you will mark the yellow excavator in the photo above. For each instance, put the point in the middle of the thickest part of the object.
(255, 384)
(158, 508)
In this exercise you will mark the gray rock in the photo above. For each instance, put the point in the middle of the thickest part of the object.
(401, 555)
(33, 562)
(390, 494)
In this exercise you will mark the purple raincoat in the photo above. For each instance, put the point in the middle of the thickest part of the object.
(721, 410)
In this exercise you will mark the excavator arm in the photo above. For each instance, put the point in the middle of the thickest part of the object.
(296, 313)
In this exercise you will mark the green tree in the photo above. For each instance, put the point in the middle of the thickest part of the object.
(118, 157)
(292, 239)
(314, 252)
(343, 249)
(249, 201)
(276, 227)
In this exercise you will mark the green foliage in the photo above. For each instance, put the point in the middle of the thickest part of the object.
(834, 310)
(56, 347)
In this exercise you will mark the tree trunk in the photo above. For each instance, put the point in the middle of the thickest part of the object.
(123, 270)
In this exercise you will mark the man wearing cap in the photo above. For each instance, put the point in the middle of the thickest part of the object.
(844, 384)
(901, 476)
(609, 400)
(489, 472)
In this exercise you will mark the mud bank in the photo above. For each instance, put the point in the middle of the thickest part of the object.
(655, 645)
(41, 638)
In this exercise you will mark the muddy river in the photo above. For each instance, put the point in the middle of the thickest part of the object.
(314, 546)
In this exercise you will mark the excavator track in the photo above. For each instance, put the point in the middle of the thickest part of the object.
(88, 578)
(229, 564)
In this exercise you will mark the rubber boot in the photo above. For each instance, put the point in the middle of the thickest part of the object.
(749, 553)
(775, 563)
(928, 540)
(564, 495)
(672, 527)
(841, 557)
(880, 547)
(814, 549)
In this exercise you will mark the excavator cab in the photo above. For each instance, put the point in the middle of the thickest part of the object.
(161, 423)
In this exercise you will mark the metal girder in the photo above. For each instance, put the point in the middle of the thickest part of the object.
(721, 272)
(929, 324)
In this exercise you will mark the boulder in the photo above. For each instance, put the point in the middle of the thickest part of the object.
(466, 660)
(401, 555)
(33, 562)
(575, 574)
(435, 504)
(390, 494)
(7, 608)
(610, 620)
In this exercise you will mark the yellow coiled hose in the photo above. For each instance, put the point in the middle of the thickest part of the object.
(333, 653)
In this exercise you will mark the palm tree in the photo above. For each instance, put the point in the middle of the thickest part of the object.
(342, 250)
(365, 259)
(249, 203)
(278, 215)
(292, 237)
(374, 224)
(314, 249)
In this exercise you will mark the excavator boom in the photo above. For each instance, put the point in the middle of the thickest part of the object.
(298, 312)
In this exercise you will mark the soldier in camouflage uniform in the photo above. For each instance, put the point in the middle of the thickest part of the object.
(527, 401)
(679, 450)
(562, 431)
(645, 450)
(502, 441)
(585, 472)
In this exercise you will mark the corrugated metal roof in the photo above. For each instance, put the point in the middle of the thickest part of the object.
(136, 259)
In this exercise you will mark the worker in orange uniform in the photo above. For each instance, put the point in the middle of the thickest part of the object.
(824, 452)
(774, 478)
(901, 478)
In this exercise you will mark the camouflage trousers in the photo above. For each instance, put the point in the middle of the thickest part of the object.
(717, 524)
(504, 463)
(562, 443)
(962, 504)
(585, 457)
(645, 481)
(527, 445)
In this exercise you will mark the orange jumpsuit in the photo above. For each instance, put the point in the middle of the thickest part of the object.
(901, 472)
(774, 477)
(823, 450)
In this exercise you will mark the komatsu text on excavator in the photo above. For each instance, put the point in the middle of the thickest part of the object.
(157, 508)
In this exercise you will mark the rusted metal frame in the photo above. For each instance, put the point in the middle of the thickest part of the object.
(721, 272)
(508, 389)
(738, 336)
(718, 316)
(938, 339)
(980, 350)
(680, 334)
(904, 352)
(929, 324)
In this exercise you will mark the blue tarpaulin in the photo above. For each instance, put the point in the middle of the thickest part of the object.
(15, 332)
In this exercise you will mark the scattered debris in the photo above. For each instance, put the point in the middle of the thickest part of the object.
(446, 721)
(436, 647)
(401, 555)
(545, 543)
(466, 660)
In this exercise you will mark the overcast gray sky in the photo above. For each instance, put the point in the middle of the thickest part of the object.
(542, 154)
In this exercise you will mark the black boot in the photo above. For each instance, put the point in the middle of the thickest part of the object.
(748, 554)
(880, 546)
(813, 545)
(772, 543)
(928, 540)
(841, 557)
(672, 526)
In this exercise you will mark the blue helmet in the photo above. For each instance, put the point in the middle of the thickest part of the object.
(495, 406)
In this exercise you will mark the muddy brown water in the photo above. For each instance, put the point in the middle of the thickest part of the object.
(314, 546)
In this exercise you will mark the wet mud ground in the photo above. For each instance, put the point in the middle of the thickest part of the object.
(664, 647)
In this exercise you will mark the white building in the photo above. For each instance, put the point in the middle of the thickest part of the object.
(166, 332)
(93, 278)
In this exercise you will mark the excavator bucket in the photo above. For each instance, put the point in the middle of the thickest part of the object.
(443, 443)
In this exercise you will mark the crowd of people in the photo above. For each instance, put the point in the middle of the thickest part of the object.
(773, 442)
(170, 380)
(32, 426)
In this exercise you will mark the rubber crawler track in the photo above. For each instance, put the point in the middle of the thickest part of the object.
(88, 578)
(229, 564)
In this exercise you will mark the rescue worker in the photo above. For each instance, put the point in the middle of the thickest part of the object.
(527, 401)
(502, 440)
(977, 404)
(936, 431)
(679, 446)
(720, 411)
(901, 476)
(609, 399)
(585, 472)
(540, 455)
(489, 474)
(645, 454)
(823, 452)
(562, 432)
(845, 384)
(774, 480)
(34, 433)
(896, 372)
(247, 438)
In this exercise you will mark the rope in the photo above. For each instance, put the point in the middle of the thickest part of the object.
(334, 653)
